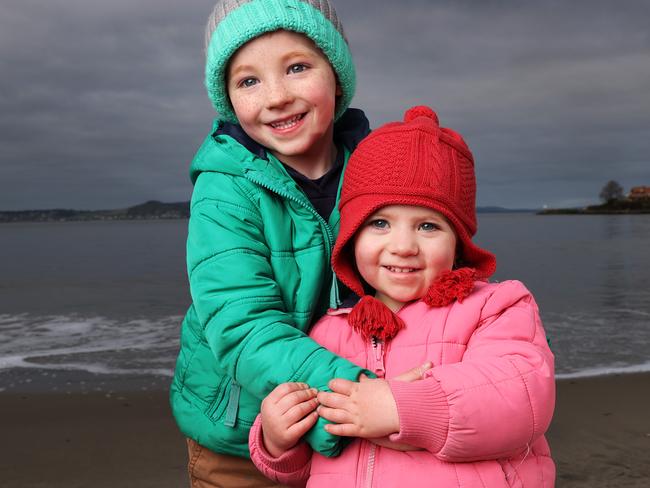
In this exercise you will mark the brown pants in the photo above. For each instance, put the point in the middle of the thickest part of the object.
(208, 469)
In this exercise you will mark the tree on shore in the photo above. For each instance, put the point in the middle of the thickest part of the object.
(611, 191)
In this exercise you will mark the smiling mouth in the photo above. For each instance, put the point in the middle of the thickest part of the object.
(288, 123)
(396, 269)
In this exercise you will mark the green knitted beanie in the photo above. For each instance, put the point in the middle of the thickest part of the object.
(235, 22)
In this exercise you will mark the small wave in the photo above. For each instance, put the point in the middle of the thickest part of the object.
(98, 345)
(605, 371)
(26, 334)
(630, 311)
(20, 362)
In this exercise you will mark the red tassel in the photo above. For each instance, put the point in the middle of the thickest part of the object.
(372, 318)
(449, 286)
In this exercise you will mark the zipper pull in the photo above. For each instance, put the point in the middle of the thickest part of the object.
(233, 405)
(377, 346)
(335, 299)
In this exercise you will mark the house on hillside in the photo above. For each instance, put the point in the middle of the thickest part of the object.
(639, 192)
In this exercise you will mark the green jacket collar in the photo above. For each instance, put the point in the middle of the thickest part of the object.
(228, 149)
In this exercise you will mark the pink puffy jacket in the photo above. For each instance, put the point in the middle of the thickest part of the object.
(479, 414)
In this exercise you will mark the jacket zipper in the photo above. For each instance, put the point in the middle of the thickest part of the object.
(379, 369)
(235, 389)
(371, 464)
(378, 349)
(233, 400)
(329, 237)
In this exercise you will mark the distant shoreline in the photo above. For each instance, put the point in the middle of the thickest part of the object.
(151, 210)
(615, 207)
(577, 211)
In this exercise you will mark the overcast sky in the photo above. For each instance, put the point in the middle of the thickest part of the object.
(102, 103)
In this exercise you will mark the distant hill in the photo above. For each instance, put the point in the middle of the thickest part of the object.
(146, 211)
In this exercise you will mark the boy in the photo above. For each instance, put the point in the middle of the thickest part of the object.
(263, 222)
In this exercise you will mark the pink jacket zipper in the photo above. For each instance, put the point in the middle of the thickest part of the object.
(380, 370)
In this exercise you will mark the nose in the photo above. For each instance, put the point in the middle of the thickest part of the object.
(403, 244)
(278, 94)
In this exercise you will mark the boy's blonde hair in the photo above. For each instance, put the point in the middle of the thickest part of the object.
(233, 23)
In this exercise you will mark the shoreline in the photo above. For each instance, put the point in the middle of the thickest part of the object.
(600, 436)
(582, 212)
(52, 380)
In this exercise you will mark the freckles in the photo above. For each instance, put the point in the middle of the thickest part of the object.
(243, 106)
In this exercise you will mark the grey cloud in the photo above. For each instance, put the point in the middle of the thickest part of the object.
(102, 103)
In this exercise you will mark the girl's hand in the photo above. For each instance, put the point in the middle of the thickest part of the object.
(288, 412)
(365, 409)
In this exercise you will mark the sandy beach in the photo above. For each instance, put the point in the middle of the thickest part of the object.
(600, 437)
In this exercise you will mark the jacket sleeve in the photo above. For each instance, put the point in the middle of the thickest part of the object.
(291, 468)
(497, 400)
(239, 304)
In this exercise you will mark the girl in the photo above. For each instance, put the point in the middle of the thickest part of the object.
(477, 415)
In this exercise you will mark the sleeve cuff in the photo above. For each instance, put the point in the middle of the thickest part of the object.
(423, 413)
(289, 462)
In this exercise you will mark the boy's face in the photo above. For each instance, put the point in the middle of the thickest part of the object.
(401, 249)
(283, 91)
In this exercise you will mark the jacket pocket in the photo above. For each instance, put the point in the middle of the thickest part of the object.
(216, 409)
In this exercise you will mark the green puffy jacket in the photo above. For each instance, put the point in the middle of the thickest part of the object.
(258, 263)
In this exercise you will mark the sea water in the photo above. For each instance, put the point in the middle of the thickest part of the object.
(98, 305)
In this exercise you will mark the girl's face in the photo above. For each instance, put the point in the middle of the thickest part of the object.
(401, 249)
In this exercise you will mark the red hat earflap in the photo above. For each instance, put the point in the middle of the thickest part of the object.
(451, 285)
(372, 318)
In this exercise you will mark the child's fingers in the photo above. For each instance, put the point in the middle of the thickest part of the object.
(301, 427)
(335, 415)
(333, 400)
(284, 389)
(299, 411)
(343, 430)
(340, 385)
(414, 374)
(294, 398)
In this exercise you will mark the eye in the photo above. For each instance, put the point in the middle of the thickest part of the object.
(378, 223)
(248, 82)
(429, 226)
(297, 68)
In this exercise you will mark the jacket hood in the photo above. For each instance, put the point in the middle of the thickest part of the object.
(228, 149)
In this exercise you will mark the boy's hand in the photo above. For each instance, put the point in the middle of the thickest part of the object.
(365, 409)
(288, 412)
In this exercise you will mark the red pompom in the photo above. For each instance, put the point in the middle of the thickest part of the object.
(372, 318)
(450, 286)
(420, 111)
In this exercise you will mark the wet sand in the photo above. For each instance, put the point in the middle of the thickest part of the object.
(600, 437)
(90, 440)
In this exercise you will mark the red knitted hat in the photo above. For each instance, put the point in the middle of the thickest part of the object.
(415, 162)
